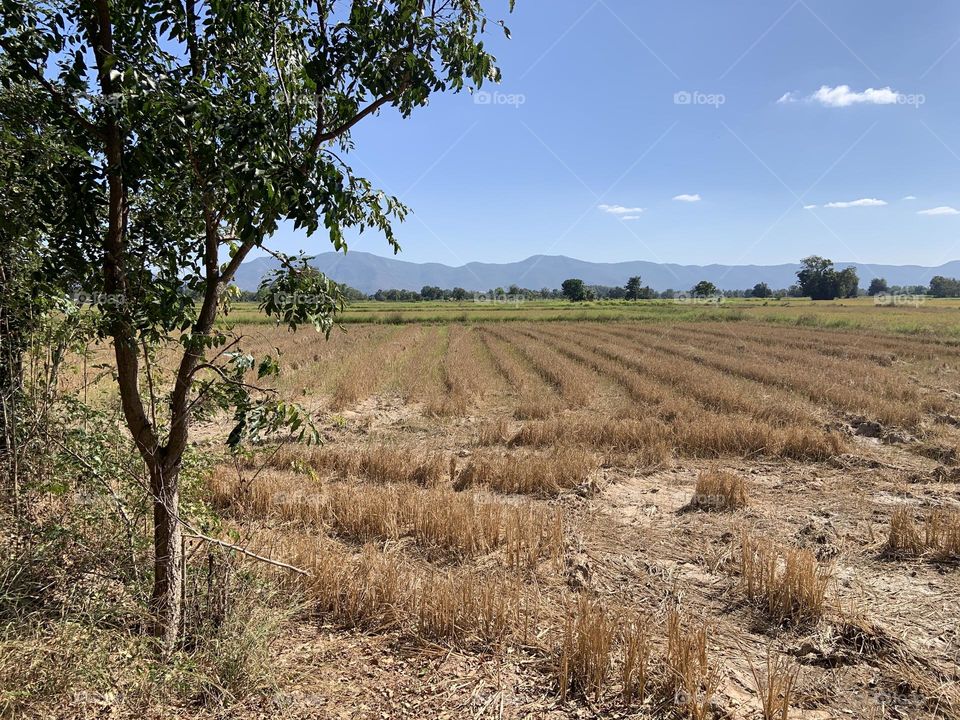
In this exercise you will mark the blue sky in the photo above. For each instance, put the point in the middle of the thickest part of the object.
(610, 110)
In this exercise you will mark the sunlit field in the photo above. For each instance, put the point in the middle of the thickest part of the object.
(940, 316)
(648, 511)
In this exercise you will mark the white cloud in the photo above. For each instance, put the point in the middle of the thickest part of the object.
(910, 197)
(809, 207)
(629, 217)
(843, 96)
(621, 210)
(688, 198)
(862, 202)
(942, 210)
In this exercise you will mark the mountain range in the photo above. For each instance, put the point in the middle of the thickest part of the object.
(369, 273)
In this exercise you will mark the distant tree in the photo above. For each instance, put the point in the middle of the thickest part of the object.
(351, 294)
(761, 290)
(877, 286)
(704, 288)
(458, 293)
(617, 293)
(633, 288)
(817, 278)
(941, 286)
(430, 292)
(847, 283)
(574, 290)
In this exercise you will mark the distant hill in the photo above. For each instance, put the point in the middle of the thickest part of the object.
(369, 273)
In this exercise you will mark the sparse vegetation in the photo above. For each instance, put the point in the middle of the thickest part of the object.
(937, 534)
(515, 491)
(719, 490)
(789, 585)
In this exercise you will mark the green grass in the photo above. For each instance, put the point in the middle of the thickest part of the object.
(933, 317)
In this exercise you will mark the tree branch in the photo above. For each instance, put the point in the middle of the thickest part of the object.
(243, 551)
(320, 137)
(58, 97)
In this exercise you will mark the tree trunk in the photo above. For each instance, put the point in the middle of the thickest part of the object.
(11, 378)
(167, 599)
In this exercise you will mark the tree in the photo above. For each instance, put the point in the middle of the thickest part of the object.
(430, 292)
(191, 131)
(761, 290)
(877, 287)
(574, 290)
(941, 286)
(704, 288)
(817, 278)
(847, 283)
(633, 288)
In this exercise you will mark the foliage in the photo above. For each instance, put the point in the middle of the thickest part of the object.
(877, 287)
(944, 287)
(761, 290)
(163, 142)
(705, 288)
(574, 290)
(820, 281)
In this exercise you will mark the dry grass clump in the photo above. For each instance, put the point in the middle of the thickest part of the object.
(537, 407)
(703, 435)
(381, 463)
(905, 537)
(775, 687)
(494, 432)
(375, 463)
(938, 535)
(529, 473)
(635, 669)
(585, 657)
(648, 438)
(379, 590)
(691, 678)
(788, 585)
(436, 518)
(719, 490)
(712, 434)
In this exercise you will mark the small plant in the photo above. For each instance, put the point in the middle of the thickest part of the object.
(939, 534)
(634, 673)
(719, 490)
(585, 651)
(904, 537)
(529, 473)
(691, 678)
(775, 686)
(788, 585)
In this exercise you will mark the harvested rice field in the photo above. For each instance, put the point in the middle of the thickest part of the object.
(616, 519)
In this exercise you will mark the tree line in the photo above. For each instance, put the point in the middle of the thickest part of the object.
(817, 279)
